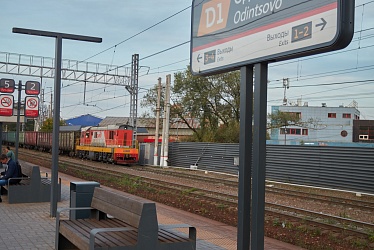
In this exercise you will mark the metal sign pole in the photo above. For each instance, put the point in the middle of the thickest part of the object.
(56, 115)
(1, 140)
(18, 119)
(56, 127)
(259, 155)
(245, 157)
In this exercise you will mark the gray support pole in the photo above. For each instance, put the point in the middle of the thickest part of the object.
(56, 127)
(51, 105)
(167, 119)
(84, 93)
(259, 155)
(157, 132)
(18, 119)
(163, 133)
(1, 139)
(245, 157)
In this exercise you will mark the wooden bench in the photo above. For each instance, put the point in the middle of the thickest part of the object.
(32, 187)
(119, 221)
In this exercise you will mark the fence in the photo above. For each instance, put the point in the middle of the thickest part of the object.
(348, 168)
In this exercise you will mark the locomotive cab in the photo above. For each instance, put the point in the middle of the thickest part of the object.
(112, 143)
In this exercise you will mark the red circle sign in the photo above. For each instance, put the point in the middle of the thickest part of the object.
(32, 103)
(6, 101)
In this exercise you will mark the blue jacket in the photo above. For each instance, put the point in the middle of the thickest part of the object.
(11, 172)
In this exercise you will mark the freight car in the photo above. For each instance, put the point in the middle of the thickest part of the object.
(68, 138)
(112, 143)
(9, 138)
(42, 141)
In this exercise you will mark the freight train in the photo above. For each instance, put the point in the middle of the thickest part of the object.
(112, 143)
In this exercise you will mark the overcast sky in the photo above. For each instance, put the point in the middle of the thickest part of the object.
(335, 78)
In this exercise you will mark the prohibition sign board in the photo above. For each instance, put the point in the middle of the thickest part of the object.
(6, 105)
(32, 106)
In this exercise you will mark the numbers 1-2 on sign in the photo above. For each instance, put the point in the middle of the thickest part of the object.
(31, 106)
(7, 85)
(6, 105)
(32, 88)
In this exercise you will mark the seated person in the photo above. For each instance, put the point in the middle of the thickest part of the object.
(12, 171)
(9, 153)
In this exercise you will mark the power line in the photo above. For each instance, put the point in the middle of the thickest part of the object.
(175, 46)
(157, 53)
(326, 84)
(135, 35)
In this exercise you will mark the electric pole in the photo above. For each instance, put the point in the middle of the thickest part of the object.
(155, 155)
(286, 85)
(165, 128)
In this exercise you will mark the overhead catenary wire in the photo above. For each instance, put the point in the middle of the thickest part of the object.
(170, 48)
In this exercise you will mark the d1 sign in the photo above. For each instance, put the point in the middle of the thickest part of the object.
(228, 34)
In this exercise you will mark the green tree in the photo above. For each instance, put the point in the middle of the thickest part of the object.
(150, 101)
(281, 119)
(48, 125)
(213, 101)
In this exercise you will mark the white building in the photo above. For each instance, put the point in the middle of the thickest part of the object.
(319, 124)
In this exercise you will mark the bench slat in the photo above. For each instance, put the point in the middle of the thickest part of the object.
(118, 200)
(125, 208)
(116, 212)
(131, 236)
(78, 231)
(171, 236)
(127, 238)
(87, 227)
(75, 235)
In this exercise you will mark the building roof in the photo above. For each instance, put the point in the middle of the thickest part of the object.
(149, 122)
(70, 128)
(84, 120)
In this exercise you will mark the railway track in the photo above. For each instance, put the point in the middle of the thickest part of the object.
(225, 200)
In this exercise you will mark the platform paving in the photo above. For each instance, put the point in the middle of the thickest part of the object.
(29, 225)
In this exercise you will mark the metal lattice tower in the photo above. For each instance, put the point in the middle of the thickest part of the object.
(133, 90)
(72, 70)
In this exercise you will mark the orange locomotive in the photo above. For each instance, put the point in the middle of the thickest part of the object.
(112, 143)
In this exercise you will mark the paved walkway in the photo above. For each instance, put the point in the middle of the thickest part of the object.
(29, 225)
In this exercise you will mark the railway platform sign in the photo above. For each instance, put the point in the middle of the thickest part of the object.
(32, 88)
(6, 105)
(7, 85)
(228, 34)
(31, 106)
